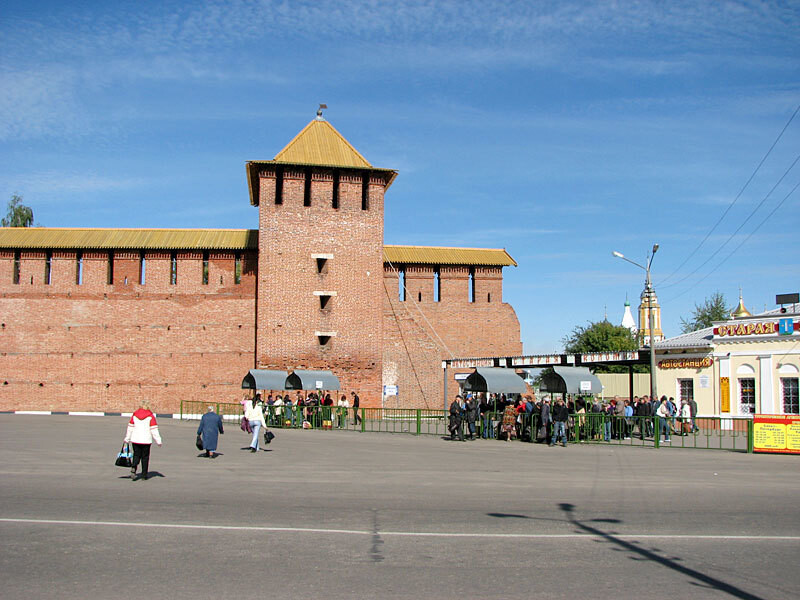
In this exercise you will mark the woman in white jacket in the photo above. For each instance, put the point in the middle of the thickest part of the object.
(255, 416)
(142, 431)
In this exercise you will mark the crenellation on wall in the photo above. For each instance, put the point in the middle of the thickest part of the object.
(31, 268)
(419, 281)
(488, 284)
(454, 283)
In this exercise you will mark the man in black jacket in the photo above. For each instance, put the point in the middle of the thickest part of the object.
(456, 418)
(560, 416)
(356, 403)
(471, 414)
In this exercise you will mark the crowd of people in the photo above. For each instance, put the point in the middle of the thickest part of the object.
(471, 416)
(306, 409)
(510, 417)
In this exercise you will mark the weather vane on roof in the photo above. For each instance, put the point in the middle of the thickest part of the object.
(319, 111)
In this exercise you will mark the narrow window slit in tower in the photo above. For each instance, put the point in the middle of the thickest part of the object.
(173, 269)
(205, 268)
(79, 268)
(48, 268)
(307, 188)
(472, 285)
(324, 299)
(110, 270)
(16, 268)
(335, 200)
(322, 262)
(279, 186)
(365, 192)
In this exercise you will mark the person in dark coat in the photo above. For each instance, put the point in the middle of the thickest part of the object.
(471, 414)
(210, 428)
(456, 419)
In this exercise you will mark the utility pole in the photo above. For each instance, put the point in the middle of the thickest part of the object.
(648, 289)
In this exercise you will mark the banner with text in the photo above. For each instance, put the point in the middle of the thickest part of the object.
(776, 433)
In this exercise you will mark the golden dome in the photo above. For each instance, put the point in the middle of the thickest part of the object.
(740, 311)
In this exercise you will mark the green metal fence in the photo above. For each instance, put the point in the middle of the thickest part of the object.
(707, 433)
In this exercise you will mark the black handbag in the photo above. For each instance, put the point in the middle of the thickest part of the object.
(199, 442)
(125, 456)
(268, 436)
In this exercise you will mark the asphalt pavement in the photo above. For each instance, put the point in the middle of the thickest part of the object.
(339, 514)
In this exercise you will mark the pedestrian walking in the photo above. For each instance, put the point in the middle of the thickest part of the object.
(209, 429)
(142, 431)
(255, 416)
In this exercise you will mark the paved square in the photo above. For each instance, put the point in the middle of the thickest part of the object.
(347, 515)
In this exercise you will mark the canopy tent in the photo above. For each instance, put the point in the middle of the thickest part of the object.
(495, 380)
(571, 380)
(312, 380)
(263, 379)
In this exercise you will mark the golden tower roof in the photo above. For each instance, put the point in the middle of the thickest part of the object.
(740, 311)
(318, 143)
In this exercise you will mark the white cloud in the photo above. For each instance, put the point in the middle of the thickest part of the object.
(51, 185)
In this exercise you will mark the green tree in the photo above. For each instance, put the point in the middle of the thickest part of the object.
(715, 308)
(601, 336)
(18, 215)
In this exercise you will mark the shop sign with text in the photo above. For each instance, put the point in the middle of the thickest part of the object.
(782, 327)
(685, 363)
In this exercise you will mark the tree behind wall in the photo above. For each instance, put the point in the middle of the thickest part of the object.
(601, 336)
(18, 215)
(713, 309)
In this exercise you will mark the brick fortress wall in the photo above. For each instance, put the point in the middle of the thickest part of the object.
(96, 346)
(419, 331)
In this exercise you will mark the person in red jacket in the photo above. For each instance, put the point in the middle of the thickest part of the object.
(142, 431)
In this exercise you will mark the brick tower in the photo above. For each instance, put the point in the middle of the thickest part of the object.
(319, 302)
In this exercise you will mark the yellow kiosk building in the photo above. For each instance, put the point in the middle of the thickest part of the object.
(749, 364)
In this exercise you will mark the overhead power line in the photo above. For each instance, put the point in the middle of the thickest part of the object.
(757, 227)
(738, 229)
(731, 205)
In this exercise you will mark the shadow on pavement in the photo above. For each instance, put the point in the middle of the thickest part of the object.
(671, 563)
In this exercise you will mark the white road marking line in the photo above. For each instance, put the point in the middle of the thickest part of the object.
(628, 536)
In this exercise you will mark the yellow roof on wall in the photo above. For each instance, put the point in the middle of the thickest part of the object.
(320, 144)
(57, 238)
(54, 238)
(432, 255)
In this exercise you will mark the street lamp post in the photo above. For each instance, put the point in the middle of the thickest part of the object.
(648, 287)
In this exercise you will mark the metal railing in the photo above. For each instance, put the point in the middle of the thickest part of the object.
(707, 433)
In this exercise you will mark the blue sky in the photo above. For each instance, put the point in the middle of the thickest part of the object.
(558, 130)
